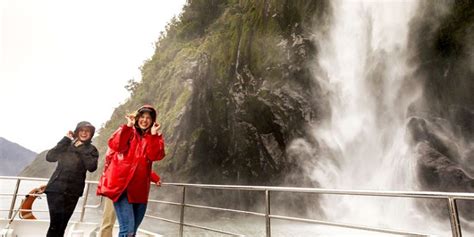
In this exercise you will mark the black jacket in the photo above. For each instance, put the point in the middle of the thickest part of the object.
(73, 163)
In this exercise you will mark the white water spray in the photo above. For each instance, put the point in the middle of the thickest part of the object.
(364, 60)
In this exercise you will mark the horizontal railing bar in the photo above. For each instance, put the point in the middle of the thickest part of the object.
(414, 194)
(72, 221)
(209, 208)
(38, 179)
(164, 202)
(225, 209)
(162, 219)
(359, 227)
(23, 178)
(192, 225)
(211, 229)
(21, 195)
(366, 228)
(33, 210)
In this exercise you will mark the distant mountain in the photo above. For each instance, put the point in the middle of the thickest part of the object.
(13, 157)
(39, 168)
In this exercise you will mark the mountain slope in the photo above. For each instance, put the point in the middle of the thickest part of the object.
(232, 84)
(39, 168)
(13, 157)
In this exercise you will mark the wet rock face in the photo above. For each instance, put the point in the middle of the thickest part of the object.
(241, 134)
(252, 92)
(435, 133)
(441, 133)
(444, 160)
(444, 156)
(463, 118)
(437, 172)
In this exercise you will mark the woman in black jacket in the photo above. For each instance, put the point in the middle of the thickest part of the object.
(75, 156)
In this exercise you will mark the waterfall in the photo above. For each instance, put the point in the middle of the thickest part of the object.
(363, 66)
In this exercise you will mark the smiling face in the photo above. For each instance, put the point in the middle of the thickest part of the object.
(144, 121)
(84, 134)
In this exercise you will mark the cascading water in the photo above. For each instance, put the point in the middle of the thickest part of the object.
(362, 64)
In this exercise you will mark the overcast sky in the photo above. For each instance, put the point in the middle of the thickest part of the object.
(64, 61)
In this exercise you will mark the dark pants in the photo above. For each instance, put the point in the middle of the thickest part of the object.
(61, 207)
(129, 215)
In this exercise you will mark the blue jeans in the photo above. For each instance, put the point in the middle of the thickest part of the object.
(129, 215)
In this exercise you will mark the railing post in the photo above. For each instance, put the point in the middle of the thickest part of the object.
(12, 205)
(454, 218)
(181, 218)
(267, 213)
(83, 210)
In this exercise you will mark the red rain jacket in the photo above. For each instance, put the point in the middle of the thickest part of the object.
(129, 167)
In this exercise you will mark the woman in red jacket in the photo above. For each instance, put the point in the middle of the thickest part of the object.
(127, 178)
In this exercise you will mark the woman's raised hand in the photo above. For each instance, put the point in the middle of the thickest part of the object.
(155, 128)
(130, 120)
(70, 135)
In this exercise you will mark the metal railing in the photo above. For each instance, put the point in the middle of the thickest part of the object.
(12, 211)
(450, 197)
